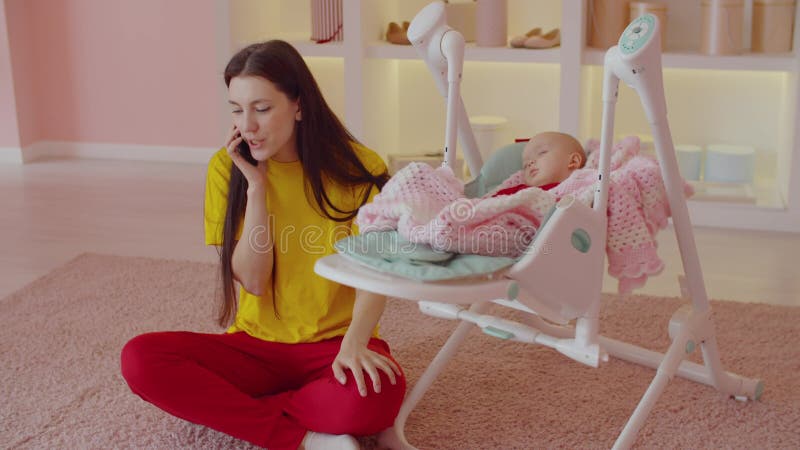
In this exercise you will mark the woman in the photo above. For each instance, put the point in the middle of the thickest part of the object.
(301, 365)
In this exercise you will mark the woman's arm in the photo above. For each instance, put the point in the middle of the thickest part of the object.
(354, 353)
(367, 311)
(253, 256)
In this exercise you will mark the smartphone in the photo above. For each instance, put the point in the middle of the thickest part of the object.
(244, 149)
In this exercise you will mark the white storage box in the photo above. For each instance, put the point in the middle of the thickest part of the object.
(729, 163)
(690, 160)
(490, 134)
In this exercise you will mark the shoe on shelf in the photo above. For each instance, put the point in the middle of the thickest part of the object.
(396, 34)
(519, 41)
(550, 39)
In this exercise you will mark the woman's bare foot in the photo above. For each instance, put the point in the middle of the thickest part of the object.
(322, 441)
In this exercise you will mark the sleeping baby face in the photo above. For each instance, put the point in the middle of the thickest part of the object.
(551, 157)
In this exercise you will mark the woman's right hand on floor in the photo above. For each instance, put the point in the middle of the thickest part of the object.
(255, 174)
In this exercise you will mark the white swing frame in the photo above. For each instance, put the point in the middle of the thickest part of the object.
(690, 326)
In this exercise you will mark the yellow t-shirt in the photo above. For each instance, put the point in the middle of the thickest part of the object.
(311, 308)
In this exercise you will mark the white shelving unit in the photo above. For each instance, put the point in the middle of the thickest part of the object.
(386, 97)
(383, 50)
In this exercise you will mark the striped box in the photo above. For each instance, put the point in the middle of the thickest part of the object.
(326, 21)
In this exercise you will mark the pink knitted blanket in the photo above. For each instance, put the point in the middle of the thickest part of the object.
(427, 205)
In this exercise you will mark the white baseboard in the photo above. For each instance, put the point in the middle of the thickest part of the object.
(90, 150)
(10, 155)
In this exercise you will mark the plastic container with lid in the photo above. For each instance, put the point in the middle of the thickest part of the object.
(729, 163)
(491, 23)
(461, 16)
(773, 24)
(722, 27)
(690, 160)
(490, 133)
(655, 8)
(606, 20)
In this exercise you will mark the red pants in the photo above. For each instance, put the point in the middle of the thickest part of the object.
(267, 393)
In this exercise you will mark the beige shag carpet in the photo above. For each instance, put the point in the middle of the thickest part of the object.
(60, 385)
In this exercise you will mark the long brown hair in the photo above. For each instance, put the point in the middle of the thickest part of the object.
(324, 145)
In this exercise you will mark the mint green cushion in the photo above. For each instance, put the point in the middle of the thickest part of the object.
(387, 251)
(503, 163)
(390, 245)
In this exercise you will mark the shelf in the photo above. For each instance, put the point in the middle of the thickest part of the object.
(750, 98)
(384, 50)
(304, 45)
(760, 194)
(742, 193)
(310, 48)
(692, 60)
(741, 216)
(756, 206)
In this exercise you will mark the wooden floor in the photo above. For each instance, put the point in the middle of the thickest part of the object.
(52, 211)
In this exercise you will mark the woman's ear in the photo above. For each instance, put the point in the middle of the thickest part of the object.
(298, 114)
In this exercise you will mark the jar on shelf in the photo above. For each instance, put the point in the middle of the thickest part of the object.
(490, 134)
(773, 23)
(461, 16)
(606, 20)
(722, 27)
(690, 160)
(729, 163)
(655, 8)
(491, 23)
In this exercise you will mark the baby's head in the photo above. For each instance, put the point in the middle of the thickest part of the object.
(550, 157)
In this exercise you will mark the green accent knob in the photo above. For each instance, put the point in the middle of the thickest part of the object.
(513, 290)
(498, 333)
(690, 346)
(581, 240)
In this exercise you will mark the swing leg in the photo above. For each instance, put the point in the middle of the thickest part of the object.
(688, 328)
(681, 346)
(394, 437)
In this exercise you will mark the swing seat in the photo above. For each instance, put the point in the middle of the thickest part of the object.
(568, 248)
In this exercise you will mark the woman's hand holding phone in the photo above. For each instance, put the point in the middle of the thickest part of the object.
(255, 174)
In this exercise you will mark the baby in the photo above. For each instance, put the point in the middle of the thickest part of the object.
(548, 159)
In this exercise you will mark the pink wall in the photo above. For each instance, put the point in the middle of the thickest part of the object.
(116, 71)
(9, 134)
(18, 20)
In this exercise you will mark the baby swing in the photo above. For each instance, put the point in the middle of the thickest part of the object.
(574, 236)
